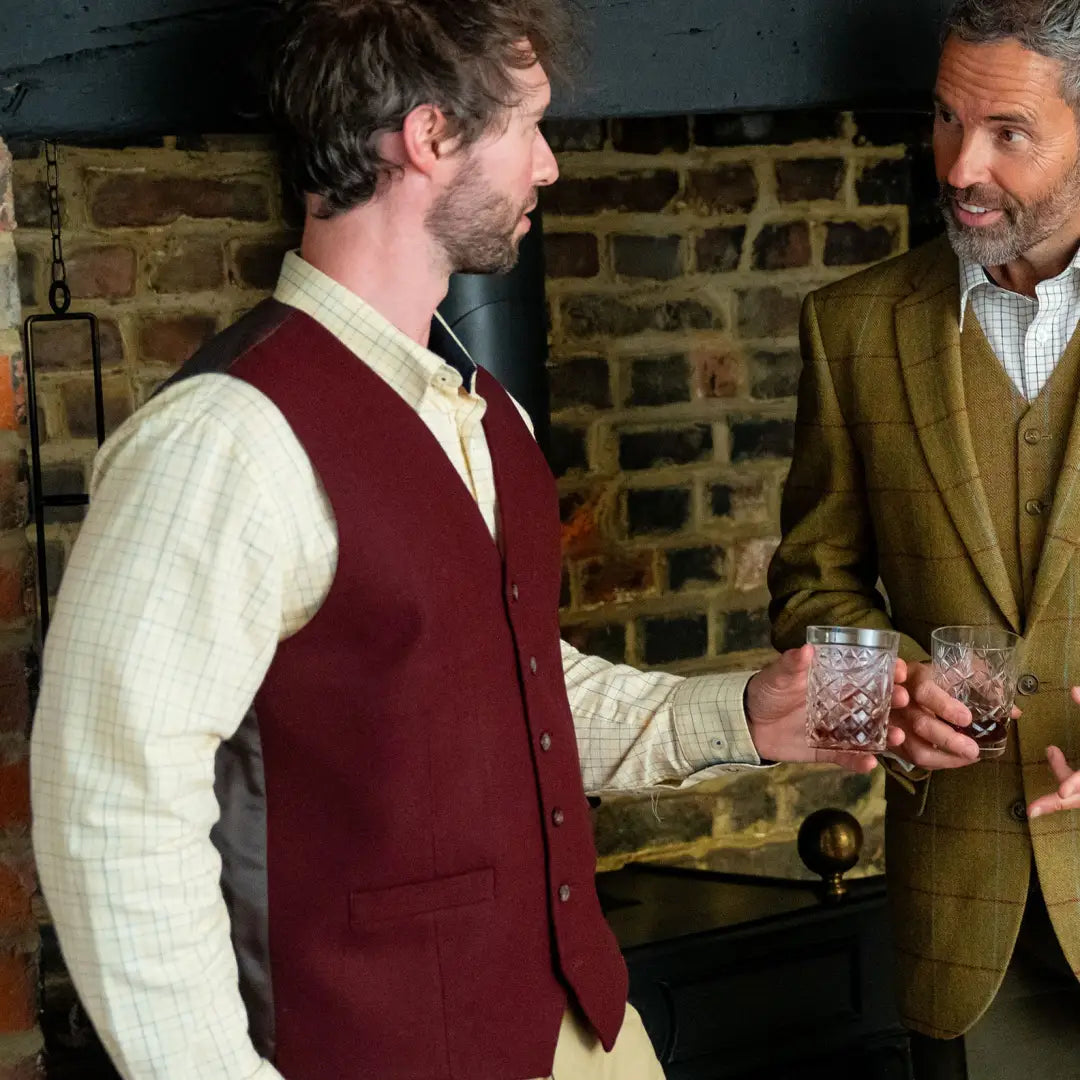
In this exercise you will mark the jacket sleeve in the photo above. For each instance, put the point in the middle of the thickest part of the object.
(825, 571)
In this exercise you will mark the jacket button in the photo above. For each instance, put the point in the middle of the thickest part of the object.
(1018, 810)
(1027, 684)
(1032, 437)
(532, 664)
(545, 742)
(557, 816)
(564, 893)
(1033, 507)
(514, 591)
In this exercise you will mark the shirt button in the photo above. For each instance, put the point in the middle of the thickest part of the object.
(1032, 437)
(532, 664)
(1033, 507)
(557, 816)
(514, 591)
(1027, 684)
(1018, 810)
(545, 742)
(564, 893)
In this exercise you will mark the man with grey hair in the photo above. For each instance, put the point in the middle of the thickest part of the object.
(934, 483)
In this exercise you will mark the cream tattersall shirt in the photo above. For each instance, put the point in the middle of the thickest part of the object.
(209, 540)
(1028, 334)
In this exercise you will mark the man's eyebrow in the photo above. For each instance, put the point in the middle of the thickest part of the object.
(998, 118)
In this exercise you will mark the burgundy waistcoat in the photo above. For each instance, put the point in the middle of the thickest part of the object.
(429, 857)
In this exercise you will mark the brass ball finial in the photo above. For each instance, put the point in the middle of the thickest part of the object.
(829, 844)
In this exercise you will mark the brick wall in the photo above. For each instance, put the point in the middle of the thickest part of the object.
(20, 1039)
(678, 252)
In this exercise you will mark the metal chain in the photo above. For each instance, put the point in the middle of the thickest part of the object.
(59, 293)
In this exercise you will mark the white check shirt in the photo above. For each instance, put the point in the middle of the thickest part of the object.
(1028, 334)
(208, 540)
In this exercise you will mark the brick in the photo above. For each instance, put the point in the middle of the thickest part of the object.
(893, 128)
(751, 560)
(717, 372)
(172, 339)
(608, 316)
(18, 992)
(768, 312)
(54, 565)
(745, 631)
(829, 787)
(617, 577)
(767, 129)
(752, 439)
(32, 205)
(659, 447)
(28, 1068)
(136, 200)
(581, 381)
(17, 887)
(621, 826)
(668, 640)
(78, 398)
(14, 693)
(739, 501)
(12, 392)
(103, 272)
(16, 587)
(571, 255)
(809, 179)
(66, 346)
(775, 373)
(659, 380)
(580, 514)
(851, 244)
(646, 192)
(885, 183)
(720, 250)
(567, 450)
(695, 566)
(28, 279)
(656, 257)
(256, 264)
(25, 149)
(63, 478)
(725, 189)
(189, 265)
(564, 589)
(651, 134)
(749, 800)
(14, 792)
(657, 510)
(14, 490)
(564, 136)
(783, 246)
(607, 641)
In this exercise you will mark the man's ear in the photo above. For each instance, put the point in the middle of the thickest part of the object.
(425, 138)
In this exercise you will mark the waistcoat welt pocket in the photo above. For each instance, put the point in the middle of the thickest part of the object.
(420, 898)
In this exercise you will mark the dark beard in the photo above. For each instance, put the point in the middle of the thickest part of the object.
(475, 226)
(1022, 226)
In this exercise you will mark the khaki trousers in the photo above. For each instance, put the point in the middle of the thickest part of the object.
(579, 1055)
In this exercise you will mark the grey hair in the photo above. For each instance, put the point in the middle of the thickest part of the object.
(1050, 28)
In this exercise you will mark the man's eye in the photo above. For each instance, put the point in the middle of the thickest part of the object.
(945, 116)
(1010, 136)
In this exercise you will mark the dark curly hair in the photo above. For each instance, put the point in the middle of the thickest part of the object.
(343, 72)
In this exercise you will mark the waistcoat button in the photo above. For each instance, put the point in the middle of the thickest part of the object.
(1018, 810)
(545, 742)
(532, 664)
(1033, 507)
(1032, 437)
(557, 816)
(514, 591)
(1027, 684)
(564, 893)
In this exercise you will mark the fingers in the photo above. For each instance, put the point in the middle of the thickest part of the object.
(1067, 796)
(929, 742)
(1058, 763)
(846, 759)
(1076, 694)
(934, 699)
(1052, 804)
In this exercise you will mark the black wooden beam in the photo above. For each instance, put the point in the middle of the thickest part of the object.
(107, 69)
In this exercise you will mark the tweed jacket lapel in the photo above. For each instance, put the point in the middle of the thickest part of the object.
(928, 341)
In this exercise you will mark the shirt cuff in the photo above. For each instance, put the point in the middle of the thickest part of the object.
(711, 726)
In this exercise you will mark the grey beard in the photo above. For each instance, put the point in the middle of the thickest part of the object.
(982, 246)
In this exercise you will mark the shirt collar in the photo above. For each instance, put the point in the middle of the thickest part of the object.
(405, 364)
(973, 276)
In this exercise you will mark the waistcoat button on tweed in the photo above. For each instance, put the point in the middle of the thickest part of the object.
(1033, 507)
(1018, 810)
(1032, 437)
(1028, 684)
